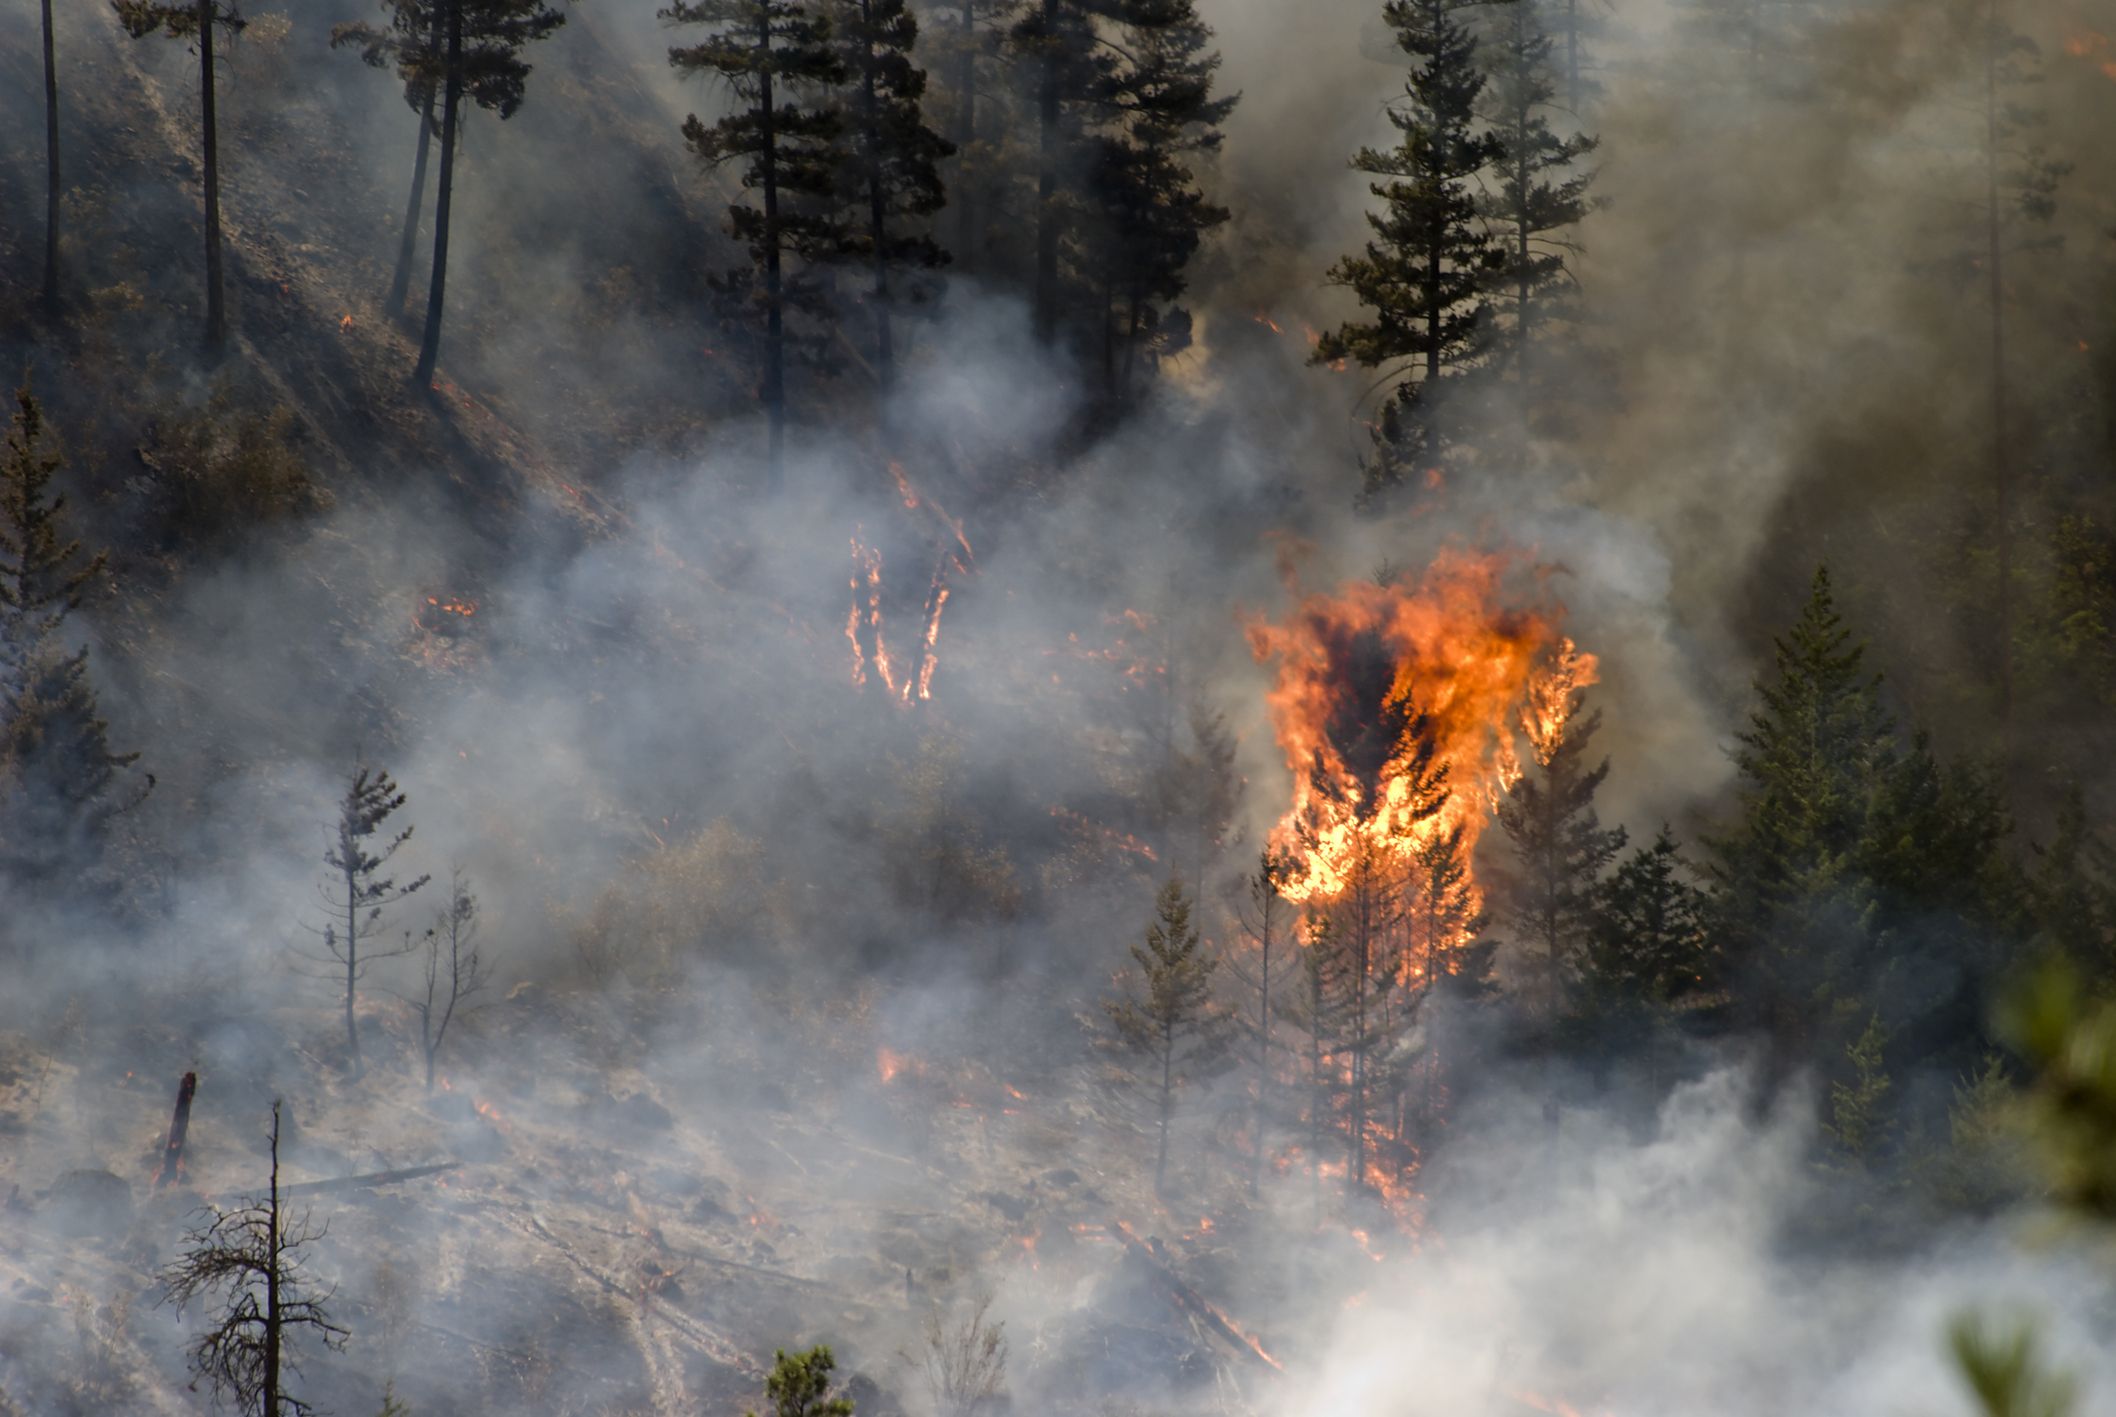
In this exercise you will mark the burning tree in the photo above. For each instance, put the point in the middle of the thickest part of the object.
(1172, 1027)
(1560, 847)
(1267, 918)
(247, 1261)
(355, 891)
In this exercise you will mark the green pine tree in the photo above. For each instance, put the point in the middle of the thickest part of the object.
(59, 780)
(799, 1385)
(891, 173)
(1167, 1018)
(1425, 275)
(1647, 948)
(778, 58)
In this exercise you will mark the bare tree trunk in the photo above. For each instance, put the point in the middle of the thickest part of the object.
(2001, 471)
(774, 390)
(1263, 1064)
(273, 1251)
(877, 218)
(352, 972)
(965, 134)
(51, 166)
(216, 310)
(1046, 309)
(1572, 55)
(179, 1130)
(400, 283)
(1168, 1083)
(437, 290)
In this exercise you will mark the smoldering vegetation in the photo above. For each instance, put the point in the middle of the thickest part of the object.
(810, 817)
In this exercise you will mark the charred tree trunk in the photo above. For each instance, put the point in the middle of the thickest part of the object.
(1168, 1086)
(179, 1129)
(400, 283)
(1046, 307)
(877, 216)
(2001, 471)
(1572, 56)
(965, 134)
(1263, 1063)
(437, 290)
(51, 166)
(275, 1250)
(216, 310)
(352, 973)
(774, 390)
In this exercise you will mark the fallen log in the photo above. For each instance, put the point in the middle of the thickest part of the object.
(172, 1167)
(371, 1178)
(1188, 1299)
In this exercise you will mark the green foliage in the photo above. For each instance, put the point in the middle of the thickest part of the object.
(799, 1385)
(59, 779)
(223, 471)
(392, 1405)
(1425, 275)
(2069, 1040)
(493, 73)
(1166, 1019)
(2005, 1371)
(1647, 947)
(1857, 1123)
(1979, 1170)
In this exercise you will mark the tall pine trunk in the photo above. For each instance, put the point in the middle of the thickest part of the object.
(1263, 1065)
(352, 973)
(1168, 1096)
(269, 1388)
(774, 390)
(965, 134)
(400, 283)
(1046, 308)
(51, 166)
(437, 289)
(2001, 471)
(216, 310)
(877, 219)
(1572, 57)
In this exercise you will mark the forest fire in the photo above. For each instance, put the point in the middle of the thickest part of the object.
(1370, 675)
(906, 683)
(443, 614)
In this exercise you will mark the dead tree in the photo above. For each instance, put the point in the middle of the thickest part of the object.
(355, 892)
(454, 973)
(965, 1361)
(246, 1264)
(172, 1168)
(1267, 918)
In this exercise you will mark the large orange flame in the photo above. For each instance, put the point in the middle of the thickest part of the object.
(1483, 673)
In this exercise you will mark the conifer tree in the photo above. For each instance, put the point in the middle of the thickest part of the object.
(891, 169)
(777, 57)
(1320, 1011)
(356, 893)
(968, 40)
(58, 776)
(1425, 275)
(1443, 922)
(1560, 850)
(246, 1261)
(1267, 918)
(198, 23)
(1539, 198)
(1167, 1017)
(1149, 214)
(1647, 948)
(415, 44)
(1793, 911)
(51, 164)
(799, 1385)
(2073, 892)
(480, 59)
(1070, 70)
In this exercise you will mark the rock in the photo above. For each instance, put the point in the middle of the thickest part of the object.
(1063, 1176)
(90, 1202)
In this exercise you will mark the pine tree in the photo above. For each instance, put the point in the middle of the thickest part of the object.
(1267, 918)
(355, 893)
(1167, 1017)
(1060, 46)
(1537, 203)
(1647, 948)
(891, 170)
(51, 165)
(1148, 212)
(197, 23)
(968, 40)
(1425, 276)
(58, 776)
(415, 44)
(247, 1262)
(455, 971)
(1793, 911)
(1320, 1009)
(1560, 850)
(799, 1385)
(1441, 946)
(777, 57)
(2073, 892)
(481, 59)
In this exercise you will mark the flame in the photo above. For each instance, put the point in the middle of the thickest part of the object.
(1109, 836)
(1446, 648)
(1268, 323)
(890, 1064)
(863, 624)
(345, 322)
(491, 1114)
